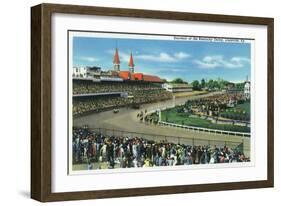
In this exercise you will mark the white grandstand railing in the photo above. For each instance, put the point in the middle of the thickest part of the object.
(100, 94)
(216, 131)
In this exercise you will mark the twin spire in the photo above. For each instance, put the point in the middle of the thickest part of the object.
(116, 62)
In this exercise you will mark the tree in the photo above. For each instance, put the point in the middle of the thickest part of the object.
(211, 84)
(196, 85)
(178, 80)
(222, 83)
(216, 85)
(203, 83)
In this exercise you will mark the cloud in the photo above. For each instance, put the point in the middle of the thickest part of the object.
(88, 59)
(181, 55)
(161, 57)
(124, 56)
(211, 62)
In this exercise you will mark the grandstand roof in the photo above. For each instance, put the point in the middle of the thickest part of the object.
(125, 75)
(116, 59)
(131, 62)
(150, 78)
(138, 76)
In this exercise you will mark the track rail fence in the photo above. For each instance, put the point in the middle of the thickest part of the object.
(201, 129)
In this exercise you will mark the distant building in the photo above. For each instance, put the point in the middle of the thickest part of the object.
(86, 72)
(93, 71)
(231, 89)
(247, 90)
(177, 87)
(79, 72)
(230, 86)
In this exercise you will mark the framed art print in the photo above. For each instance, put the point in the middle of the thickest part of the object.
(138, 102)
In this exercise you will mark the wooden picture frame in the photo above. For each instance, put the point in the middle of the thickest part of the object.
(41, 96)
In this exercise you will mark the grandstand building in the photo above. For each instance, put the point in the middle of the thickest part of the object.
(116, 74)
(177, 87)
(97, 90)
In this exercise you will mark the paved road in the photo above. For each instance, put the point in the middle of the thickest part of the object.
(126, 120)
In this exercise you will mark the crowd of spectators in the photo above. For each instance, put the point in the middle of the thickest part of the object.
(108, 152)
(215, 105)
(85, 87)
(138, 93)
(98, 104)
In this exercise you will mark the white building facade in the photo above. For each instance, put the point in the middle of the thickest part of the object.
(80, 72)
(177, 87)
(247, 90)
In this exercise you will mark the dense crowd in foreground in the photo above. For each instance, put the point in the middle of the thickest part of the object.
(128, 152)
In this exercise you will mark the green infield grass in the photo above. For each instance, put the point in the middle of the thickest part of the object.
(172, 116)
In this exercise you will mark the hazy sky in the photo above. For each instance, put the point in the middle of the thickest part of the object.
(190, 60)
